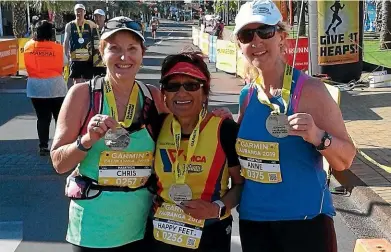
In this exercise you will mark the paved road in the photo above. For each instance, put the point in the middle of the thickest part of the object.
(33, 210)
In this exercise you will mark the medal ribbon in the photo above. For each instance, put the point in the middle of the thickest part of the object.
(180, 173)
(82, 29)
(285, 92)
(130, 108)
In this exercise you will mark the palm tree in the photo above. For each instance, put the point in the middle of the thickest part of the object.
(379, 6)
(385, 34)
(19, 19)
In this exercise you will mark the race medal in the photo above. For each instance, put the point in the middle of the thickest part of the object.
(124, 169)
(80, 40)
(259, 160)
(172, 226)
(277, 125)
(179, 193)
(118, 139)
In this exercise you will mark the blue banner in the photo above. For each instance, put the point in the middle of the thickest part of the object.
(370, 16)
(212, 48)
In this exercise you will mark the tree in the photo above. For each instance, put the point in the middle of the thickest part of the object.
(19, 19)
(385, 34)
(379, 6)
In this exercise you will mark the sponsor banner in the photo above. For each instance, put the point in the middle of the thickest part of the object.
(21, 43)
(204, 46)
(212, 48)
(301, 61)
(8, 57)
(240, 59)
(194, 33)
(338, 32)
(226, 56)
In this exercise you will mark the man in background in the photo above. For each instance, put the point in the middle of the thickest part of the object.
(98, 66)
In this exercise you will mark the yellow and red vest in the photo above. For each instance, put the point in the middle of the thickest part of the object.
(207, 171)
(43, 59)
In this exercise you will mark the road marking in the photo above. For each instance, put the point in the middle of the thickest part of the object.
(11, 235)
(236, 245)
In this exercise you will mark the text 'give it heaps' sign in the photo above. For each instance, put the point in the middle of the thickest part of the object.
(338, 32)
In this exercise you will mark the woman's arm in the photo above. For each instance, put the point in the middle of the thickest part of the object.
(317, 113)
(64, 153)
(158, 99)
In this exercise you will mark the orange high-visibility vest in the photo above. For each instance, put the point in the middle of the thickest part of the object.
(43, 59)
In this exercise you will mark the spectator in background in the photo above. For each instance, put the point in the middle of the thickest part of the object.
(99, 66)
(44, 60)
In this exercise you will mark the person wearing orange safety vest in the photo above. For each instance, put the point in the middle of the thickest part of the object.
(44, 60)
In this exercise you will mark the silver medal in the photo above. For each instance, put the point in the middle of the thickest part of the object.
(118, 139)
(179, 193)
(80, 40)
(277, 125)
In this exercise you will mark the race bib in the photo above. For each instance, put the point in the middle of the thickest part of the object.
(119, 168)
(259, 160)
(172, 226)
(80, 55)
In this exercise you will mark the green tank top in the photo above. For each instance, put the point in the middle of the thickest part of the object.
(113, 218)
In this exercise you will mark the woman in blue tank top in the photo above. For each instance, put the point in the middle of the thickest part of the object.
(289, 122)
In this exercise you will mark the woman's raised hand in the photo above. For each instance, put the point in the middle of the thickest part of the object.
(98, 126)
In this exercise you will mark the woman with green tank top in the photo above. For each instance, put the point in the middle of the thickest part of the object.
(102, 131)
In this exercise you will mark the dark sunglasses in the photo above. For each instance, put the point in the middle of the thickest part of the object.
(188, 86)
(116, 24)
(264, 32)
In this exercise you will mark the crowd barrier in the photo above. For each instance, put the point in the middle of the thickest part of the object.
(212, 49)
(228, 57)
(12, 55)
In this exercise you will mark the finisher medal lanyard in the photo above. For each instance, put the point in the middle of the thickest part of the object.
(285, 93)
(82, 29)
(181, 172)
(130, 108)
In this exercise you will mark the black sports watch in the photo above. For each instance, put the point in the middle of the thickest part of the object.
(80, 146)
(223, 208)
(325, 142)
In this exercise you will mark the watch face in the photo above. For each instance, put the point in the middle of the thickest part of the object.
(327, 142)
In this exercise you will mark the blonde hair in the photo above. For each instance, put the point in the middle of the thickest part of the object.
(251, 72)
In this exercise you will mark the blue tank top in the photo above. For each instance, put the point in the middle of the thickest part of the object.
(303, 192)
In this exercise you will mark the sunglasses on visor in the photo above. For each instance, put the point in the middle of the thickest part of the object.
(264, 32)
(116, 24)
(188, 86)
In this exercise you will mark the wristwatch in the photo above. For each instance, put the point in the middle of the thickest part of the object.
(80, 146)
(223, 208)
(325, 142)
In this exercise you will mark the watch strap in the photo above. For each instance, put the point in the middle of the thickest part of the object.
(322, 145)
(80, 146)
(222, 207)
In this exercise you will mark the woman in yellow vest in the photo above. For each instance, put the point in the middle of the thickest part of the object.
(194, 160)
(44, 60)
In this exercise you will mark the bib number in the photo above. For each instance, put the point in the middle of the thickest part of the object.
(172, 226)
(131, 169)
(259, 160)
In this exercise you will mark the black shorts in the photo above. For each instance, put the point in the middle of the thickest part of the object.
(216, 237)
(314, 235)
(99, 71)
(81, 70)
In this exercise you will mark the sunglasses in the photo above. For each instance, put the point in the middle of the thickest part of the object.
(188, 86)
(116, 24)
(264, 32)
